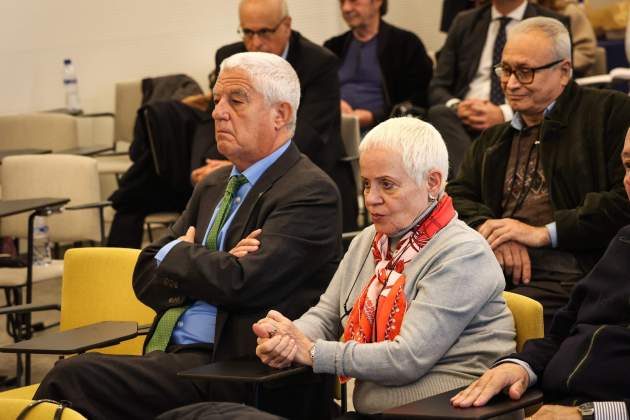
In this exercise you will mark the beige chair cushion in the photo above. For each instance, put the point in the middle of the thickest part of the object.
(38, 130)
(128, 100)
(69, 176)
(14, 277)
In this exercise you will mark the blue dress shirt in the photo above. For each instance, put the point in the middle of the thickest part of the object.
(197, 323)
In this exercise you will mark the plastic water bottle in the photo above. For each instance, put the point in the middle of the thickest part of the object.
(41, 243)
(71, 87)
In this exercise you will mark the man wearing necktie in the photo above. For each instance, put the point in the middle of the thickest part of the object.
(464, 94)
(261, 234)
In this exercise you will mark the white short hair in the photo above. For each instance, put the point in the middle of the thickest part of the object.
(272, 76)
(418, 143)
(551, 28)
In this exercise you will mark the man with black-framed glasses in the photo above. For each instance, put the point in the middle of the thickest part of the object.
(546, 189)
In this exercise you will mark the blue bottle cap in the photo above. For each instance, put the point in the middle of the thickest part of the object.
(67, 61)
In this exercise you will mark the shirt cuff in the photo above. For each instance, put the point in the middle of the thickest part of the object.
(161, 254)
(451, 102)
(327, 358)
(610, 410)
(533, 378)
(508, 114)
(553, 234)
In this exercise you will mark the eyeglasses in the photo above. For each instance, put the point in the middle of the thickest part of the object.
(524, 75)
(262, 33)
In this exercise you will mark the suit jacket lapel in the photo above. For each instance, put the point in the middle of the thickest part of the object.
(240, 223)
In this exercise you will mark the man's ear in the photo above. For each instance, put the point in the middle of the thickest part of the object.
(281, 115)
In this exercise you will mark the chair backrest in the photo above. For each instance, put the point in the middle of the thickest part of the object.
(97, 287)
(38, 130)
(528, 317)
(128, 100)
(52, 175)
(351, 136)
(600, 66)
(12, 407)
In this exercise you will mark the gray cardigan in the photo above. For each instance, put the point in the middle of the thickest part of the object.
(457, 323)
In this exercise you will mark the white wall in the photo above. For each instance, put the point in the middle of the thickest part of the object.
(116, 40)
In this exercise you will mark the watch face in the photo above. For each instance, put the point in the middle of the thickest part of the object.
(587, 409)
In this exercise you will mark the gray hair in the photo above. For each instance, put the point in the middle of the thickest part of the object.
(272, 76)
(419, 144)
(284, 8)
(551, 28)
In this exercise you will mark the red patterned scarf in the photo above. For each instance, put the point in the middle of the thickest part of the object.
(378, 313)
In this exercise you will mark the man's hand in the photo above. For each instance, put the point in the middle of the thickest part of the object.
(556, 412)
(247, 244)
(200, 102)
(499, 231)
(345, 107)
(484, 114)
(210, 166)
(189, 236)
(491, 383)
(280, 342)
(514, 259)
(366, 118)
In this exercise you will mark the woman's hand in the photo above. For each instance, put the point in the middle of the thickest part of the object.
(280, 342)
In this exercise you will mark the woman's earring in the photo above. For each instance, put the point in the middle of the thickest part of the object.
(432, 199)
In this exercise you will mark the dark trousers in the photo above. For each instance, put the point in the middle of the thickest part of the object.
(142, 387)
(551, 294)
(456, 135)
(125, 387)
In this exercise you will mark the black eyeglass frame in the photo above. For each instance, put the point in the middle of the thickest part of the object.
(518, 72)
(262, 33)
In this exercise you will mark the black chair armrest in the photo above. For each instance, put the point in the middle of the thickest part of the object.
(77, 340)
(349, 158)
(97, 115)
(144, 329)
(245, 371)
(97, 205)
(112, 153)
(439, 407)
(28, 308)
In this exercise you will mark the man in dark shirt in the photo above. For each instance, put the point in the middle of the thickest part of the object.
(586, 355)
(546, 189)
(382, 65)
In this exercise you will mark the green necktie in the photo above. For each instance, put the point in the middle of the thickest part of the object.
(165, 326)
(218, 222)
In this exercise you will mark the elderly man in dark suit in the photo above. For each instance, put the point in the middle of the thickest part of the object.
(259, 234)
(265, 26)
(464, 94)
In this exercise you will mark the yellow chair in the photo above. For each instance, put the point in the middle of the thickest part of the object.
(10, 408)
(97, 287)
(528, 317)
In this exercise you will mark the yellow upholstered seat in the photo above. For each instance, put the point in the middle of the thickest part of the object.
(97, 286)
(528, 317)
(10, 408)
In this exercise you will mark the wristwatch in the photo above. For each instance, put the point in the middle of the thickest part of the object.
(587, 410)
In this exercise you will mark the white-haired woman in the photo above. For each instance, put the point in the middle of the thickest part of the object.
(417, 297)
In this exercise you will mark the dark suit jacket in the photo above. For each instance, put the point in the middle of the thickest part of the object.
(318, 130)
(459, 57)
(297, 207)
(405, 65)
